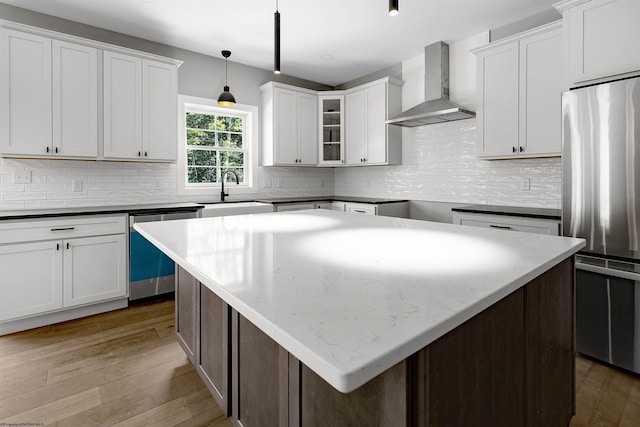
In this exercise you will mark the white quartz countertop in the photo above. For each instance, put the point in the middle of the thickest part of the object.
(352, 295)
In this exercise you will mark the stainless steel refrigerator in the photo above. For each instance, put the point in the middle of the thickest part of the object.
(601, 203)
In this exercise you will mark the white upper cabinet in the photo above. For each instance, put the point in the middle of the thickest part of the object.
(159, 110)
(369, 139)
(331, 129)
(302, 127)
(50, 97)
(25, 94)
(602, 38)
(140, 108)
(289, 126)
(122, 106)
(519, 90)
(75, 100)
(50, 85)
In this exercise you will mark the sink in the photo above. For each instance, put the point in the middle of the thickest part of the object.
(235, 208)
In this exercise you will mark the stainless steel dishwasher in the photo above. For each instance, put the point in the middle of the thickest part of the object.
(151, 272)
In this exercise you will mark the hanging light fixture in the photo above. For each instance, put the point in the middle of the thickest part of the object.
(393, 7)
(276, 49)
(226, 99)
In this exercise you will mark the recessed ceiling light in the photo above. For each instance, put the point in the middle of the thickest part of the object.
(326, 57)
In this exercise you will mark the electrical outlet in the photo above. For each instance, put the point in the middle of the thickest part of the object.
(525, 184)
(76, 185)
(21, 177)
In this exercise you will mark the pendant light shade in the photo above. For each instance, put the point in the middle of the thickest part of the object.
(276, 48)
(393, 7)
(226, 99)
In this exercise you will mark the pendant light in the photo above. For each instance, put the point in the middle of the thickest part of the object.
(226, 99)
(276, 49)
(393, 7)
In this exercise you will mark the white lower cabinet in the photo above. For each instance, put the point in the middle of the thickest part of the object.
(55, 265)
(32, 279)
(287, 207)
(508, 222)
(361, 208)
(94, 269)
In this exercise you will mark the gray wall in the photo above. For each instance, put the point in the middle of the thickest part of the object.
(200, 75)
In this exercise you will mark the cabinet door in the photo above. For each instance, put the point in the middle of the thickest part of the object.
(94, 269)
(356, 127)
(285, 122)
(186, 312)
(307, 129)
(160, 115)
(122, 106)
(604, 39)
(214, 352)
(376, 116)
(498, 101)
(75, 100)
(540, 93)
(260, 377)
(31, 277)
(25, 94)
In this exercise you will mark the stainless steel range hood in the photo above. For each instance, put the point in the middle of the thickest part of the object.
(437, 108)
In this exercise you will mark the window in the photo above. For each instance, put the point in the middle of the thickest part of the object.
(214, 145)
(215, 139)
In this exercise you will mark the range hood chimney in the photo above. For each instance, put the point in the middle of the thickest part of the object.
(436, 108)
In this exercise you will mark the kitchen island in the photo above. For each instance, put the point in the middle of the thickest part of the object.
(327, 318)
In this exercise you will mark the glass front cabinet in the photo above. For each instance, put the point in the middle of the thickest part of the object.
(331, 146)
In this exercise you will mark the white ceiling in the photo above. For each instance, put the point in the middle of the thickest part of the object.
(358, 35)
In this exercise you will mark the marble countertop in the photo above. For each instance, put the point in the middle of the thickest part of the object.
(352, 295)
(97, 210)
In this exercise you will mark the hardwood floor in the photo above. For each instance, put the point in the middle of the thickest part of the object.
(122, 368)
(125, 368)
(605, 396)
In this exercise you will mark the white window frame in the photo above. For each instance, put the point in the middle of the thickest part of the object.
(249, 114)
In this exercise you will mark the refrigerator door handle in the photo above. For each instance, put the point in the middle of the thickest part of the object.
(629, 275)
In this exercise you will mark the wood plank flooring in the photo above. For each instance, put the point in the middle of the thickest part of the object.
(122, 368)
(125, 368)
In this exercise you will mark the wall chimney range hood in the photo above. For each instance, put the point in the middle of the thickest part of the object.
(437, 108)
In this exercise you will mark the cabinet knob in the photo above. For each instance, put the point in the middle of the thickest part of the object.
(521, 149)
(67, 245)
(364, 160)
(139, 154)
(513, 149)
(56, 150)
(47, 149)
(145, 154)
(57, 246)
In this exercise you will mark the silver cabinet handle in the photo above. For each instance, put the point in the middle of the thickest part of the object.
(500, 227)
(63, 229)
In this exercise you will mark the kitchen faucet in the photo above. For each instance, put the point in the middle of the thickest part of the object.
(224, 174)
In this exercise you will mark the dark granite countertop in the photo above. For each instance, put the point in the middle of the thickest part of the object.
(97, 210)
(371, 200)
(525, 212)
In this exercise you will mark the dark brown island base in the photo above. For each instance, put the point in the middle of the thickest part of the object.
(510, 365)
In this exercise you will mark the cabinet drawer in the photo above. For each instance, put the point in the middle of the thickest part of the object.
(361, 208)
(61, 228)
(503, 222)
